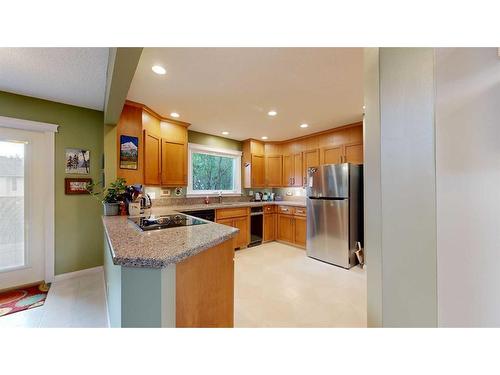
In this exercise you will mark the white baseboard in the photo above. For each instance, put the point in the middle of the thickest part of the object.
(72, 275)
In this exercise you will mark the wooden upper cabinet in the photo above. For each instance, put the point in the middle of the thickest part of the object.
(273, 170)
(130, 124)
(173, 163)
(152, 162)
(331, 155)
(311, 159)
(354, 153)
(258, 171)
(334, 146)
(287, 170)
(292, 169)
(162, 157)
(297, 170)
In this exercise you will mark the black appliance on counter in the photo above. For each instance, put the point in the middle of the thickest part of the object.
(165, 221)
(256, 226)
(202, 214)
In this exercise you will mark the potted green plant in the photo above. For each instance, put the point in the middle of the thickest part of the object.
(111, 196)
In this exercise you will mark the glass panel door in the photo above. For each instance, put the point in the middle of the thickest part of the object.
(12, 205)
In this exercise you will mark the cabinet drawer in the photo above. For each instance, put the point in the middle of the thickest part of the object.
(269, 209)
(300, 211)
(224, 213)
(285, 210)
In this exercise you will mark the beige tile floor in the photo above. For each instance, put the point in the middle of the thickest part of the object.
(277, 285)
(78, 302)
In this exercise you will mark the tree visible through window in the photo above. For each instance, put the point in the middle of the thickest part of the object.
(212, 172)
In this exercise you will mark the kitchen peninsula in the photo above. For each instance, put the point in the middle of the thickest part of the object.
(176, 277)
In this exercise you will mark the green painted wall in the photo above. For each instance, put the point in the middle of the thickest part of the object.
(78, 228)
(213, 140)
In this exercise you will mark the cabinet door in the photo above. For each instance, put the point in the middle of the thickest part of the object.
(274, 166)
(152, 146)
(173, 164)
(311, 159)
(258, 171)
(331, 155)
(242, 223)
(269, 227)
(354, 153)
(300, 232)
(297, 177)
(285, 228)
(288, 170)
(229, 223)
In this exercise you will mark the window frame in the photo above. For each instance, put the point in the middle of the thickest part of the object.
(234, 154)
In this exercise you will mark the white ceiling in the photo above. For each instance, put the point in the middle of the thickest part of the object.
(232, 89)
(74, 76)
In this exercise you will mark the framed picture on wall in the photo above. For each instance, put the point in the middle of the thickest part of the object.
(128, 152)
(77, 161)
(76, 185)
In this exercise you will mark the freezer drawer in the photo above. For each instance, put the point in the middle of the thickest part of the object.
(328, 231)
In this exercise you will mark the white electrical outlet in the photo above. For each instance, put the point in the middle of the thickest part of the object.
(165, 192)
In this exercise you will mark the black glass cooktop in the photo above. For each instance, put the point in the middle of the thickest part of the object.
(165, 221)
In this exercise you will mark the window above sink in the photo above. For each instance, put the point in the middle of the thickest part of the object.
(212, 171)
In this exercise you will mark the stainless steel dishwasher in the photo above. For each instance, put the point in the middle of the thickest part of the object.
(256, 225)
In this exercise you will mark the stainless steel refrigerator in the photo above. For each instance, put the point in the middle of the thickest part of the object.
(334, 213)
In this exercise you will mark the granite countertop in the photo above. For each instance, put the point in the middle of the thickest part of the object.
(213, 206)
(132, 247)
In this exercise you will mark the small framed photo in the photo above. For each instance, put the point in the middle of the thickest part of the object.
(128, 152)
(77, 161)
(76, 185)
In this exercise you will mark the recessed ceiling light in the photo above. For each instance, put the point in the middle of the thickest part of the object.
(175, 115)
(225, 133)
(264, 137)
(272, 113)
(159, 69)
(304, 125)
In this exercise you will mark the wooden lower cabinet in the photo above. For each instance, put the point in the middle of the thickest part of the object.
(241, 221)
(205, 288)
(269, 227)
(243, 237)
(291, 227)
(300, 232)
(285, 228)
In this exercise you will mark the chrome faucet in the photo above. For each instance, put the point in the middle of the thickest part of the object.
(220, 197)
